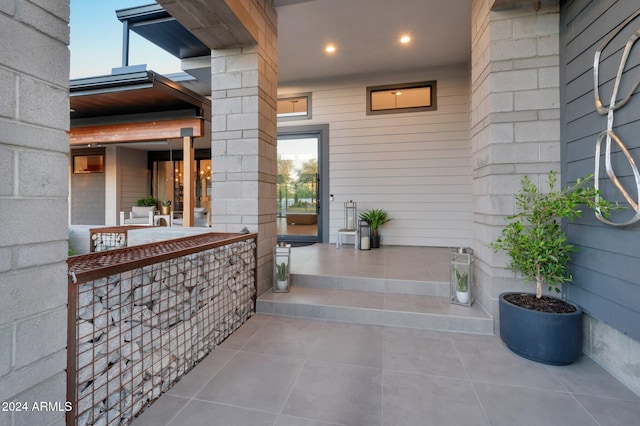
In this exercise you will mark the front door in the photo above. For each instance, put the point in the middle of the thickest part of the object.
(298, 187)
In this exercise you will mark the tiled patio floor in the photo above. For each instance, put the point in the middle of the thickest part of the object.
(281, 371)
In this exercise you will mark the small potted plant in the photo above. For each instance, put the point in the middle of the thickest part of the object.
(282, 282)
(165, 208)
(375, 218)
(543, 328)
(148, 202)
(462, 287)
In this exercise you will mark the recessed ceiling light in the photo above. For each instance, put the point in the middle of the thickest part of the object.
(330, 48)
(405, 39)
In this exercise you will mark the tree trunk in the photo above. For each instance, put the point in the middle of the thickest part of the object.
(538, 289)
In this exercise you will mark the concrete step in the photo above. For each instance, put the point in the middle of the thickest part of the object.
(333, 302)
(377, 285)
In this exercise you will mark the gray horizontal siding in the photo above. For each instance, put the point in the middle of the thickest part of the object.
(606, 271)
(414, 165)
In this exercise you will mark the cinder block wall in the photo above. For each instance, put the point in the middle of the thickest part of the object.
(34, 166)
(515, 125)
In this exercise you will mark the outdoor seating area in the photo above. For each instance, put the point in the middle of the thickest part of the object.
(150, 216)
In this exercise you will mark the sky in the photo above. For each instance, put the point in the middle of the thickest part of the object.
(96, 41)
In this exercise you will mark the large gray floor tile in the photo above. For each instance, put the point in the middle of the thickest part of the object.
(281, 338)
(611, 412)
(161, 413)
(252, 380)
(510, 405)
(422, 355)
(298, 421)
(239, 337)
(414, 399)
(588, 378)
(201, 413)
(489, 360)
(202, 373)
(337, 393)
(348, 347)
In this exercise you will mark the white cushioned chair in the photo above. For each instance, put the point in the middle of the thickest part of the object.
(201, 217)
(139, 216)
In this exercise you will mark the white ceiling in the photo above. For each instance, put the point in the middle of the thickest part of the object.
(366, 34)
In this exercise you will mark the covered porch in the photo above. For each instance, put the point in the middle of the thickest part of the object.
(296, 363)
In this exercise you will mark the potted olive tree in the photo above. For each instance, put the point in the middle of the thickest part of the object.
(375, 218)
(537, 326)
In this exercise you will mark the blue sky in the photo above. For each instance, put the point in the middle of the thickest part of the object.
(96, 40)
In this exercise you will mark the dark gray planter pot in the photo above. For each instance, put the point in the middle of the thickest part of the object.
(548, 338)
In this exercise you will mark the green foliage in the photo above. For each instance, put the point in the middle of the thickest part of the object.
(375, 218)
(147, 202)
(462, 279)
(283, 271)
(534, 238)
(166, 203)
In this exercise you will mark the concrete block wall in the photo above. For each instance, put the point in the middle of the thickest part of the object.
(515, 125)
(244, 136)
(34, 147)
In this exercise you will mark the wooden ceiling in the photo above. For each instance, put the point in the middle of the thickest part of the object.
(132, 93)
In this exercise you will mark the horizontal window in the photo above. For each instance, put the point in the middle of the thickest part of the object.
(294, 107)
(396, 98)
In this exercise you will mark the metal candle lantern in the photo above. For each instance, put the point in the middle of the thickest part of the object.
(364, 233)
(281, 268)
(350, 216)
(461, 276)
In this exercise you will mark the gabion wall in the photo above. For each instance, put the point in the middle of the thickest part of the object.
(138, 331)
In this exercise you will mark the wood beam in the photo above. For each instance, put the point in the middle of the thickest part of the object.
(135, 132)
(189, 189)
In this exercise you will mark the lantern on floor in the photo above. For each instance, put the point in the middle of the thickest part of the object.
(281, 268)
(364, 234)
(461, 276)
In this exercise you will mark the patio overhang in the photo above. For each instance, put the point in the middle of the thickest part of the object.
(136, 106)
(155, 24)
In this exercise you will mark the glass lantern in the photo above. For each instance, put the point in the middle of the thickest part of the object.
(364, 233)
(350, 216)
(461, 276)
(281, 268)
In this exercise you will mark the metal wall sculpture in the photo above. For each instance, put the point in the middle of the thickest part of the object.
(608, 135)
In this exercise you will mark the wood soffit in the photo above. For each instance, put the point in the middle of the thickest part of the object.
(133, 93)
(220, 24)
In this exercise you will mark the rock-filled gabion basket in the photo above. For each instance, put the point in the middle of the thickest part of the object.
(138, 331)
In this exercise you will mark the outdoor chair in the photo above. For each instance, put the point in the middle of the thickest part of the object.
(139, 216)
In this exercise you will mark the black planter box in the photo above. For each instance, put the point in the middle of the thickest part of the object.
(548, 338)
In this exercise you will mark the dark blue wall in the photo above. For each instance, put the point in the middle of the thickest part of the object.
(607, 269)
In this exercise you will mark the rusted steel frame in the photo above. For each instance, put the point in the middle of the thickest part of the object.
(94, 265)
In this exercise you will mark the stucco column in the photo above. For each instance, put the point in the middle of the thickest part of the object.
(515, 124)
(244, 136)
